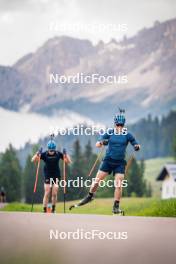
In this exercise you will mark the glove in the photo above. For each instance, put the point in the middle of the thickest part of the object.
(136, 148)
(105, 142)
(64, 151)
(39, 152)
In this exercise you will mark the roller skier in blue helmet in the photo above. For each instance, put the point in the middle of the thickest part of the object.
(51, 158)
(114, 161)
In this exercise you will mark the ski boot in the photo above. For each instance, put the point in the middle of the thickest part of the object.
(84, 201)
(49, 208)
(53, 209)
(116, 210)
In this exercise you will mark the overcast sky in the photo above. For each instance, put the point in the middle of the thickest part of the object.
(27, 24)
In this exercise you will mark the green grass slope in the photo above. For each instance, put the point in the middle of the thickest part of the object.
(132, 207)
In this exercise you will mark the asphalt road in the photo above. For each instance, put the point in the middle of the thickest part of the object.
(25, 238)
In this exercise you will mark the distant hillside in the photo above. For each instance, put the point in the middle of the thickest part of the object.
(148, 58)
(155, 136)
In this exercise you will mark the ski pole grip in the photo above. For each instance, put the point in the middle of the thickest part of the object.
(39, 152)
(105, 142)
(64, 151)
(136, 148)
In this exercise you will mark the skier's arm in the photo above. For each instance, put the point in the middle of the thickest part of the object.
(102, 141)
(67, 159)
(98, 144)
(133, 142)
(37, 155)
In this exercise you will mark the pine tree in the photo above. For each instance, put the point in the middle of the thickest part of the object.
(10, 174)
(149, 190)
(77, 171)
(77, 158)
(156, 137)
(89, 159)
(88, 151)
(174, 147)
(136, 183)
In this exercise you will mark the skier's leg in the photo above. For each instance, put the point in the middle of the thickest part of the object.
(118, 186)
(99, 177)
(118, 192)
(47, 190)
(54, 196)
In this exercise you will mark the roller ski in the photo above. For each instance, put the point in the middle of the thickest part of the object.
(89, 198)
(116, 210)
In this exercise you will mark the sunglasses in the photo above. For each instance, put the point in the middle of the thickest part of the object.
(119, 125)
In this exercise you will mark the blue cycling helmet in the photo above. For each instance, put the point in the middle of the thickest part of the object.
(51, 145)
(119, 119)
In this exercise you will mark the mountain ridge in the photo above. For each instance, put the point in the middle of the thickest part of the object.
(148, 59)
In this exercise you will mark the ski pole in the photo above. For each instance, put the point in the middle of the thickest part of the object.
(35, 184)
(64, 178)
(129, 163)
(95, 163)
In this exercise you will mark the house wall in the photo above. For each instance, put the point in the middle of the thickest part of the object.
(168, 188)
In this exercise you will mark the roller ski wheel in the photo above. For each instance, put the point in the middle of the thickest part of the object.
(72, 206)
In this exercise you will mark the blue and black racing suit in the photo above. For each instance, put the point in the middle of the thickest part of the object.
(114, 160)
